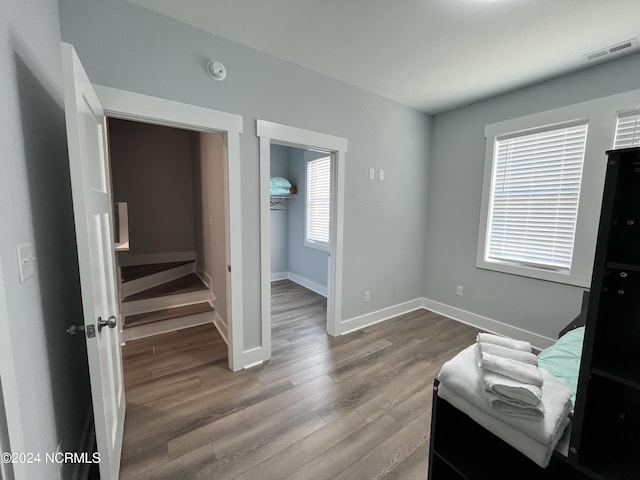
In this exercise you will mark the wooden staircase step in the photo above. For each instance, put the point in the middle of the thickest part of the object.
(133, 272)
(166, 314)
(188, 283)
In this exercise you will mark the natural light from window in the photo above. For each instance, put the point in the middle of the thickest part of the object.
(535, 192)
(318, 203)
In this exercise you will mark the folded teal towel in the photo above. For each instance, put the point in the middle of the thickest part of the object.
(280, 182)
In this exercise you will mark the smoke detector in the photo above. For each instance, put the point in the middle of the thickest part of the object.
(216, 70)
(618, 49)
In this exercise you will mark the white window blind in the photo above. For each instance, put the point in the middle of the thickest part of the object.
(627, 130)
(318, 201)
(534, 197)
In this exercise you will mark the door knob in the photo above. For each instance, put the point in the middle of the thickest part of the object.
(109, 322)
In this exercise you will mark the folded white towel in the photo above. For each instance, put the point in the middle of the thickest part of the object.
(504, 342)
(510, 391)
(529, 412)
(462, 387)
(520, 371)
(519, 355)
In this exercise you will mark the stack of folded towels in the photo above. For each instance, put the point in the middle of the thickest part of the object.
(508, 395)
(510, 377)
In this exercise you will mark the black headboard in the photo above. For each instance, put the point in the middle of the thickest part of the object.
(580, 320)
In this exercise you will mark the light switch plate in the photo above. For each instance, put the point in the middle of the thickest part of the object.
(372, 173)
(26, 262)
(381, 175)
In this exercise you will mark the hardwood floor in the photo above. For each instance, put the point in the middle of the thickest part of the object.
(352, 407)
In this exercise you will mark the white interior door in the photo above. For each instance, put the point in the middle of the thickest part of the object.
(90, 182)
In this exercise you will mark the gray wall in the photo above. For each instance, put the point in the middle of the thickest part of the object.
(280, 218)
(44, 371)
(455, 187)
(308, 263)
(125, 46)
(151, 171)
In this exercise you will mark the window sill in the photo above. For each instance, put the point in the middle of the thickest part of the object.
(536, 273)
(318, 246)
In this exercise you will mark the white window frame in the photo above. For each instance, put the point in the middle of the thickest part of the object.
(324, 246)
(625, 116)
(601, 115)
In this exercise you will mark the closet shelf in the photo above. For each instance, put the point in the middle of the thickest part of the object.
(291, 195)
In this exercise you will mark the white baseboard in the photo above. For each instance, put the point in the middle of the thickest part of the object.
(362, 321)
(127, 259)
(487, 324)
(206, 279)
(254, 357)
(221, 327)
(80, 471)
(279, 276)
(310, 284)
(468, 318)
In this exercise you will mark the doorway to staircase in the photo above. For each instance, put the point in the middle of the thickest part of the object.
(173, 264)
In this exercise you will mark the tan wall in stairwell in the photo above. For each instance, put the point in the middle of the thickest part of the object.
(209, 207)
(152, 171)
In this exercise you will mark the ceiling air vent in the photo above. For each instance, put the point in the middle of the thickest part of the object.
(614, 50)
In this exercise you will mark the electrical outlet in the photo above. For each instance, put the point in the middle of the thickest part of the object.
(459, 290)
(367, 296)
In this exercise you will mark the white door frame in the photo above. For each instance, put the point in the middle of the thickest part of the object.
(144, 108)
(279, 134)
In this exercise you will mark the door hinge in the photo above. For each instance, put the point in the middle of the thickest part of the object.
(229, 267)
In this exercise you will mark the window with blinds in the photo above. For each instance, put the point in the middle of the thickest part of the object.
(535, 191)
(627, 130)
(318, 206)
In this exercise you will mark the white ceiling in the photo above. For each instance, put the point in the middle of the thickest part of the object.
(432, 55)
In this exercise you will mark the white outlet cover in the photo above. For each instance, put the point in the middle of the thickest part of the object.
(381, 175)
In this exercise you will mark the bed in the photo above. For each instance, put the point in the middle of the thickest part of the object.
(466, 443)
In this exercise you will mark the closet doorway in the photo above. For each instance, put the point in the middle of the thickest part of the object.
(313, 245)
(300, 206)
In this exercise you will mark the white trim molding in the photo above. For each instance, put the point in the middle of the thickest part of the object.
(487, 324)
(600, 114)
(135, 106)
(368, 319)
(221, 326)
(279, 134)
(457, 314)
(309, 284)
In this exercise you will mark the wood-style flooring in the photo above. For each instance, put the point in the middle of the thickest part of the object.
(352, 407)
